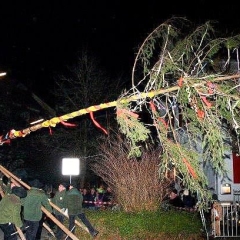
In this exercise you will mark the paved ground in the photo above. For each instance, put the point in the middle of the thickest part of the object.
(44, 236)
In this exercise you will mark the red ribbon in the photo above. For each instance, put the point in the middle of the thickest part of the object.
(159, 119)
(153, 106)
(97, 124)
(50, 131)
(124, 111)
(208, 104)
(200, 113)
(211, 87)
(180, 81)
(190, 168)
(67, 124)
(4, 140)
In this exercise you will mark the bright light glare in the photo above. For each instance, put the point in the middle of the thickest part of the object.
(70, 166)
(40, 120)
(3, 74)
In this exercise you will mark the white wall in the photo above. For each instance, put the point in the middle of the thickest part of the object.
(215, 182)
(228, 180)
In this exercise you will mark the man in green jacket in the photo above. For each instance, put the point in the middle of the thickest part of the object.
(73, 202)
(32, 213)
(58, 200)
(10, 216)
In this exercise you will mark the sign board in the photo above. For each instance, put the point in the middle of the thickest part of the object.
(70, 166)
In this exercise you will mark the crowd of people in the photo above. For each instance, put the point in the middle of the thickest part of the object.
(179, 197)
(182, 199)
(97, 198)
(22, 208)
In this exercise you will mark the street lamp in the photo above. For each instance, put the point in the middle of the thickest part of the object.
(2, 74)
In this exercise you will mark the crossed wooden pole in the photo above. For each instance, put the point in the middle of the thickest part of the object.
(19, 182)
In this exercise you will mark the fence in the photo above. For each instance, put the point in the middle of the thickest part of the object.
(226, 219)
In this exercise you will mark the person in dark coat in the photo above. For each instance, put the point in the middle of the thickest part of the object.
(108, 198)
(73, 202)
(188, 199)
(85, 195)
(175, 200)
(92, 198)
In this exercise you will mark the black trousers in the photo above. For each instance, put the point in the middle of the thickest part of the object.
(85, 221)
(32, 229)
(60, 232)
(9, 229)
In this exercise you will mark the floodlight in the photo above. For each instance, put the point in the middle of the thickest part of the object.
(70, 166)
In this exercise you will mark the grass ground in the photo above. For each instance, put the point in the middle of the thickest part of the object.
(164, 225)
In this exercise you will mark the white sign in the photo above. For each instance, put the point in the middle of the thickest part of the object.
(70, 166)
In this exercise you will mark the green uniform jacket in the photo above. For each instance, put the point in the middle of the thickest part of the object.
(58, 200)
(73, 201)
(32, 203)
(10, 207)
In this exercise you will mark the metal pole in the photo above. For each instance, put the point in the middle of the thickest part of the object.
(204, 223)
(70, 231)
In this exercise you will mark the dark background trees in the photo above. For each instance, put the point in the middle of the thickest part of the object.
(83, 84)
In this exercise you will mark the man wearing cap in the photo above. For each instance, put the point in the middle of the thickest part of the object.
(73, 202)
(10, 216)
(36, 198)
(58, 200)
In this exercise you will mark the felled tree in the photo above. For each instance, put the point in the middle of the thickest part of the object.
(181, 77)
(183, 82)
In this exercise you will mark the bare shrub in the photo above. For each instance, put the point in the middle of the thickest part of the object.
(135, 182)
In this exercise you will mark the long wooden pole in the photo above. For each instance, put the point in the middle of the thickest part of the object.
(9, 174)
(16, 179)
(66, 215)
(56, 120)
(52, 204)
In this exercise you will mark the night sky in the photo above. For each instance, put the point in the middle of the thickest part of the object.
(39, 38)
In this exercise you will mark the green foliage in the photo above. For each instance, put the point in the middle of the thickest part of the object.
(233, 43)
(187, 65)
(134, 130)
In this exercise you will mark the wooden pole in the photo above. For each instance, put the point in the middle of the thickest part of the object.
(1, 191)
(15, 178)
(56, 120)
(20, 233)
(64, 214)
(52, 204)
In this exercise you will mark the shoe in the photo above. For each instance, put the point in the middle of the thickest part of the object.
(95, 233)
